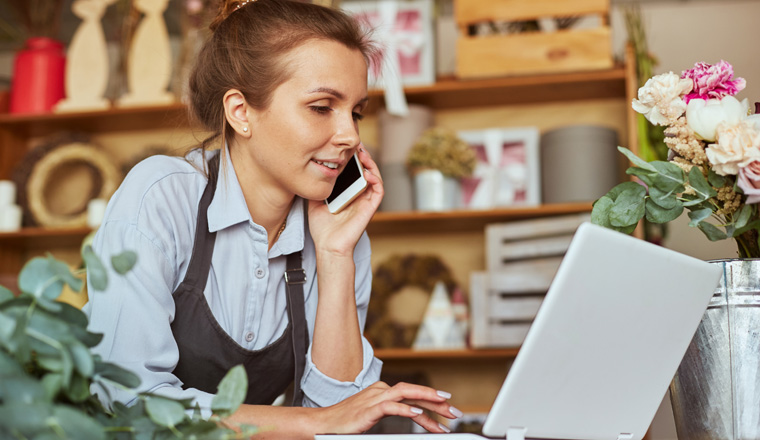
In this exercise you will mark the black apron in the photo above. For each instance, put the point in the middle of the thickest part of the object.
(207, 352)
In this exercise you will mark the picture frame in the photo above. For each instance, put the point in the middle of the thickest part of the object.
(410, 36)
(508, 172)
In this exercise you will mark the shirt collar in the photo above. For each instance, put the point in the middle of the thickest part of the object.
(229, 208)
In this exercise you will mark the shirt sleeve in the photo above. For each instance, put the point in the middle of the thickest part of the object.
(135, 311)
(321, 390)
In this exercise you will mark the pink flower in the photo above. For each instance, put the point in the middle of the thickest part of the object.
(713, 81)
(749, 181)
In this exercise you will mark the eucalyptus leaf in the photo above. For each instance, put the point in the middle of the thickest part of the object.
(664, 200)
(96, 271)
(124, 262)
(21, 389)
(658, 214)
(8, 366)
(5, 294)
(165, 412)
(742, 217)
(698, 216)
(63, 272)
(600, 213)
(670, 177)
(712, 232)
(83, 362)
(699, 183)
(7, 325)
(25, 419)
(231, 392)
(39, 279)
(114, 373)
(52, 382)
(641, 163)
(629, 207)
(716, 179)
(49, 305)
(78, 389)
(76, 424)
(19, 342)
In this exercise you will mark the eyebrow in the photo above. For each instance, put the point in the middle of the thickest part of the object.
(336, 94)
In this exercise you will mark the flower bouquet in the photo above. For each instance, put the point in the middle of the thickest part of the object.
(713, 166)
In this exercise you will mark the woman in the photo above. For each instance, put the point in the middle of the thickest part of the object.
(281, 85)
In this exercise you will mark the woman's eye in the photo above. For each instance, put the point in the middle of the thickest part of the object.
(358, 116)
(322, 109)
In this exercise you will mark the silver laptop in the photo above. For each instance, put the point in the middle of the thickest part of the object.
(604, 346)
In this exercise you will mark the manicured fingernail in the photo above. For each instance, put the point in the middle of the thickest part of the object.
(444, 394)
(455, 412)
(444, 428)
(416, 410)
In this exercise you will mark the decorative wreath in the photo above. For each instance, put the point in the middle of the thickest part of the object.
(34, 175)
(392, 275)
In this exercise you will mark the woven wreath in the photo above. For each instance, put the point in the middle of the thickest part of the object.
(33, 178)
(395, 273)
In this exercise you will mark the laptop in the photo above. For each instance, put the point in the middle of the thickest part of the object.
(604, 346)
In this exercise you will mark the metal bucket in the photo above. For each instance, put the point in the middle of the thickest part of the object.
(716, 392)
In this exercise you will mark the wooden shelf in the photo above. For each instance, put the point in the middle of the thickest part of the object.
(446, 93)
(408, 354)
(382, 223)
(43, 238)
(463, 221)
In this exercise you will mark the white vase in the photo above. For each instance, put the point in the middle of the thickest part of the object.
(435, 192)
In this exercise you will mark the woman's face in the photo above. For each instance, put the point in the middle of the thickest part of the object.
(304, 138)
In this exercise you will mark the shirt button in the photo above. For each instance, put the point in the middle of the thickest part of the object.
(259, 272)
(249, 337)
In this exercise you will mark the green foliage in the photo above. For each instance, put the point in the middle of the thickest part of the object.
(666, 192)
(47, 368)
(441, 149)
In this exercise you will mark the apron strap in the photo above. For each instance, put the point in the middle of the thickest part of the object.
(200, 261)
(295, 277)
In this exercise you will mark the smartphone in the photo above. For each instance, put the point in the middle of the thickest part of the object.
(349, 184)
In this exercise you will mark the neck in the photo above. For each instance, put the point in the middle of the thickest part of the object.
(268, 203)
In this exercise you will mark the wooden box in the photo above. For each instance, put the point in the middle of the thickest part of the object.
(531, 52)
(538, 240)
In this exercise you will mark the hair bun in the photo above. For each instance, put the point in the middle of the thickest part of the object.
(227, 7)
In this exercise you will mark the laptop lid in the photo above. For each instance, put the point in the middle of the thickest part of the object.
(606, 341)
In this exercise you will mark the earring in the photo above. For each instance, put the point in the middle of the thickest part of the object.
(245, 129)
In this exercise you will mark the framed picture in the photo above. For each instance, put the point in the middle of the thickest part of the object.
(508, 169)
(404, 31)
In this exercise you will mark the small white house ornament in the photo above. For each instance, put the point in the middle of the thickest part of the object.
(439, 328)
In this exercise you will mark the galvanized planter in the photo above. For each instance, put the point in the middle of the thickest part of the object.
(716, 392)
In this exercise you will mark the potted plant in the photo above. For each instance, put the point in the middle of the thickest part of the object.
(437, 161)
(713, 172)
(47, 368)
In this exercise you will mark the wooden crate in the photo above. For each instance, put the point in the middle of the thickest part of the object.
(538, 239)
(531, 52)
(503, 304)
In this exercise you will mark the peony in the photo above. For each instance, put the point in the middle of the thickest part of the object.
(660, 100)
(738, 145)
(749, 181)
(704, 117)
(713, 81)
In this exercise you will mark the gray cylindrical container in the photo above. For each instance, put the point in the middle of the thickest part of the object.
(579, 163)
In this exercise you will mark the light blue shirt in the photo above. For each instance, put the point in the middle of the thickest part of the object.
(154, 213)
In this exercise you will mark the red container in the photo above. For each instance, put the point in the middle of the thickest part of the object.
(38, 76)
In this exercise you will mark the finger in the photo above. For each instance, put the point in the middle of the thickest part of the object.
(443, 409)
(430, 424)
(368, 162)
(408, 391)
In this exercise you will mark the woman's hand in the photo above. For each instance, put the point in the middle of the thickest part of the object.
(339, 233)
(363, 410)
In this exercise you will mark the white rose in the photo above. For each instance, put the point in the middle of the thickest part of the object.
(738, 145)
(704, 116)
(660, 99)
(754, 120)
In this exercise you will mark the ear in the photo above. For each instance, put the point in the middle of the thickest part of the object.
(236, 112)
